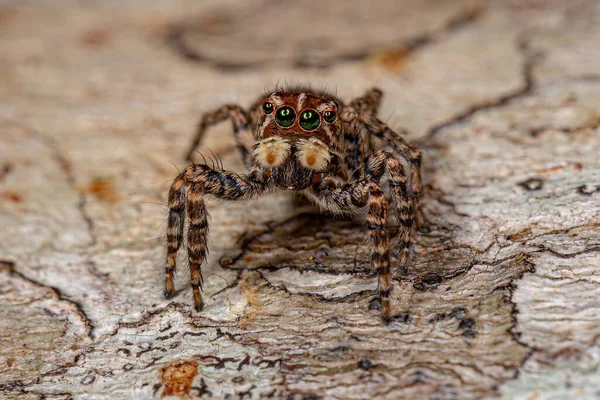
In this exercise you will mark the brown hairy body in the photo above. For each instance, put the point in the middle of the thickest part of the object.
(312, 143)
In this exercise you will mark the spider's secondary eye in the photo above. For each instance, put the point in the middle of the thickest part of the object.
(329, 116)
(268, 108)
(285, 117)
(309, 120)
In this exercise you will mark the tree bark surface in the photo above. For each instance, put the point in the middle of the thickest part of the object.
(100, 101)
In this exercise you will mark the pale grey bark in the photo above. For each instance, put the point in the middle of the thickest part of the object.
(502, 297)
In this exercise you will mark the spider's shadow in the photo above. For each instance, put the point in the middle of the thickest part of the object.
(311, 241)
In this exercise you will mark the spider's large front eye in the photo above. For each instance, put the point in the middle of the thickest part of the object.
(268, 108)
(309, 120)
(285, 117)
(329, 116)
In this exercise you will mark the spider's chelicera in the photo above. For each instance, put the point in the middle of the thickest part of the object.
(312, 143)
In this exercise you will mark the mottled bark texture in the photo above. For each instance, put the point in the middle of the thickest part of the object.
(99, 99)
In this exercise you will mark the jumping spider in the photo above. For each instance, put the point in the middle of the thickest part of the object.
(310, 142)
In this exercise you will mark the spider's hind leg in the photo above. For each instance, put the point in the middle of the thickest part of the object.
(380, 254)
(242, 130)
(377, 164)
(408, 152)
(350, 198)
(354, 143)
(368, 102)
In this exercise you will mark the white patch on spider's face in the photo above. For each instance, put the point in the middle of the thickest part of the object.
(313, 154)
(268, 119)
(271, 152)
(276, 100)
(326, 107)
(301, 100)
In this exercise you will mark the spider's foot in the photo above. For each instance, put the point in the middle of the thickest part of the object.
(385, 309)
(424, 229)
(169, 287)
(375, 304)
(198, 302)
(422, 225)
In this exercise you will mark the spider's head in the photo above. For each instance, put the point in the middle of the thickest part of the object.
(298, 130)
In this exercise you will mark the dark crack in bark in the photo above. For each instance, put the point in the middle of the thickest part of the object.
(177, 33)
(67, 168)
(9, 266)
(80, 347)
(509, 290)
(530, 59)
(328, 340)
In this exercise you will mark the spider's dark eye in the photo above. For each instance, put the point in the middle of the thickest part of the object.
(268, 108)
(309, 120)
(329, 116)
(285, 117)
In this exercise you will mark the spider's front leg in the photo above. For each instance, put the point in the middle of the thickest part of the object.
(351, 198)
(187, 193)
(241, 122)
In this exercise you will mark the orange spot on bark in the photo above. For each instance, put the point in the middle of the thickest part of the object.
(177, 378)
(519, 236)
(103, 189)
(97, 38)
(393, 59)
(6, 17)
(248, 290)
(13, 196)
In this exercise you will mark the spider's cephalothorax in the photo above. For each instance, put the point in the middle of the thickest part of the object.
(310, 142)
(297, 135)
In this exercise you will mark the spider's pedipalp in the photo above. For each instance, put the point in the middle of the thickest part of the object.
(271, 152)
(313, 154)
